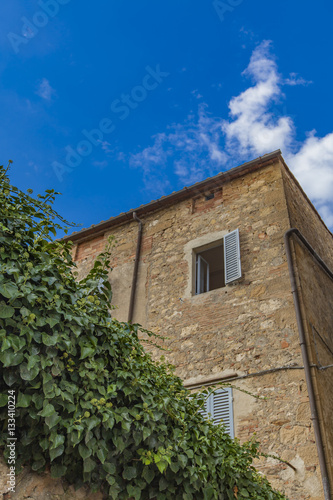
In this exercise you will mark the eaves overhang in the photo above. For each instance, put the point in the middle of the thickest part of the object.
(175, 197)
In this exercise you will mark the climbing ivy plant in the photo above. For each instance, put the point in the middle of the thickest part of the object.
(91, 403)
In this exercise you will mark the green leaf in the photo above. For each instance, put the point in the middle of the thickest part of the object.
(57, 440)
(134, 491)
(58, 470)
(109, 468)
(148, 474)
(76, 329)
(50, 340)
(87, 351)
(114, 491)
(38, 464)
(32, 361)
(110, 479)
(84, 451)
(6, 311)
(47, 411)
(174, 466)
(6, 344)
(52, 321)
(50, 281)
(23, 400)
(9, 290)
(163, 484)
(93, 422)
(38, 399)
(53, 420)
(56, 452)
(129, 473)
(182, 460)
(10, 377)
(162, 465)
(119, 443)
(88, 465)
(27, 374)
(208, 492)
(146, 432)
(102, 455)
(11, 358)
(3, 399)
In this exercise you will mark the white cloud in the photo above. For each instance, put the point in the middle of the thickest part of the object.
(196, 145)
(312, 165)
(296, 80)
(106, 146)
(196, 94)
(44, 90)
(253, 130)
(203, 145)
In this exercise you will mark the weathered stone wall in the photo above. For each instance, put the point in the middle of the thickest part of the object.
(316, 293)
(32, 486)
(242, 328)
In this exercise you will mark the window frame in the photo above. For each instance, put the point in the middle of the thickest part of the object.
(230, 257)
(198, 269)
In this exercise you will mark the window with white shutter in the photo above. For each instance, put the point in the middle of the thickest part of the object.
(218, 406)
(232, 264)
(218, 264)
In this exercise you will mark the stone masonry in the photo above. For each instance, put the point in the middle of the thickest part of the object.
(246, 331)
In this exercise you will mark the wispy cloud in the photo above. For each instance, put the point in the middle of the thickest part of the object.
(44, 90)
(203, 145)
(196, 94)
(253, 129)
(296, 80)
(192, 146)
(106, 146)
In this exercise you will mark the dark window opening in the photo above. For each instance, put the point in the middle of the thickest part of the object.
(209, 270)
(218, 264)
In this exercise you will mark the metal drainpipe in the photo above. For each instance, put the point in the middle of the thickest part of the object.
(136, 266)
(308, 377)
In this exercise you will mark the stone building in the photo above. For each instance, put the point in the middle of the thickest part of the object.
(207, 267)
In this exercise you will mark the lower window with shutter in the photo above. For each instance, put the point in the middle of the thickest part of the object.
(218, 407)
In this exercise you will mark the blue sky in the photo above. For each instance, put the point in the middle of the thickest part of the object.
(117, 103)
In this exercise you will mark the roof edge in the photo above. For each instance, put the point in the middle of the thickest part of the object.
(164, 201)
(307, 199)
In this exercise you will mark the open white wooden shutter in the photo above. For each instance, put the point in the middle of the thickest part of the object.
(231, 250)
(221, 409)
(203, 410)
